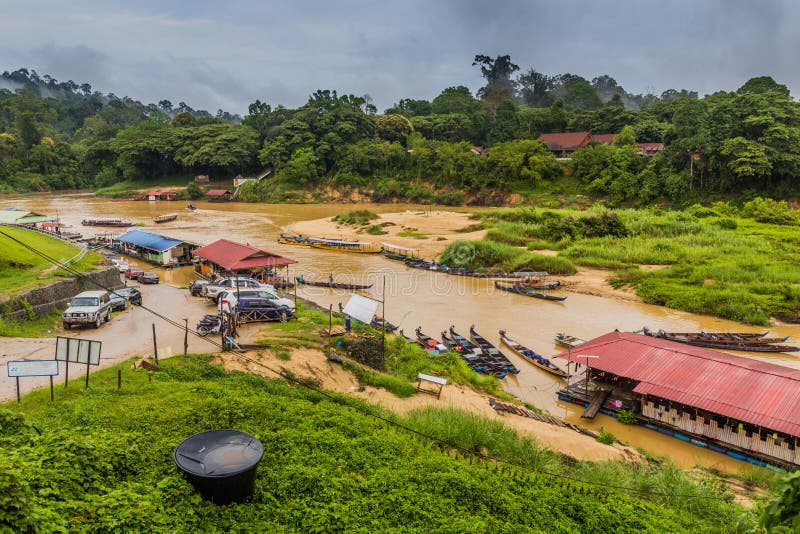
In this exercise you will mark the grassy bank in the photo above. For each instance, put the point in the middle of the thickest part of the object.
(704, 261)
(100, 460)
(22, 269)
(128, 187)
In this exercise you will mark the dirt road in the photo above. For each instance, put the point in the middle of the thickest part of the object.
(130, 333)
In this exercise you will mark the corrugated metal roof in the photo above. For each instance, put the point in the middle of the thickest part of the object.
(148, 240)
(756, 392)
(232, 255)
(217, 192)
(565, 141)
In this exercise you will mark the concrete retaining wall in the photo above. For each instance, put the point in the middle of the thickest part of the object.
(57, 295)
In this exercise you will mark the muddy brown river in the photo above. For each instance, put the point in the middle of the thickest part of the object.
(420, 298)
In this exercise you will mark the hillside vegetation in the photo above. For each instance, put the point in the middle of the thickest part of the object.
(733, 145)
(100, 460)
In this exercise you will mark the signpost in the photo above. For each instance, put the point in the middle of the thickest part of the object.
(76, 350)
(18, 368)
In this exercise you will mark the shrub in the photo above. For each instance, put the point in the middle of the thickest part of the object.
(726, 224)
(606, 437)
(626, 417)
(356, 217)
(193, 191)
(376, 229)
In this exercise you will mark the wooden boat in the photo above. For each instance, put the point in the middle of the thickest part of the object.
(377, 324)
(474, 356)
(408, 339)
(568, 341)
(358, 247)
(396, 252)
(538, 284)
(106, 221)
(165, 218)
(191, 207)
(334, 285)
(426, 342)
(727, 345)
(536, 359)
(491, 350)
(737, 337)
(528, 293)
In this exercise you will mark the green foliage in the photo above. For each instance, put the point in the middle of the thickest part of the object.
(103, 462)
(782, 513)
(606, 437)
(492, 256)
(356, 217)
(193, 191)
(627, 417)
(767, 210)
(376, 229)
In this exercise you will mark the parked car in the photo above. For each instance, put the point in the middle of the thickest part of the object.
(89, 307)
(261, 309)
(229, 298)
(121, 297)
(213, 289)
(122, 265)
(133, 273)
(196, 287)
(148, 278)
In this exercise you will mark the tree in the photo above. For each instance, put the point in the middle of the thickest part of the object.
(393, 127)
(194, 191)
(410, 108)
(576, 92)
(497, 73)
(455, 100)
(627, 137)
(762, 84)
(165, 106)
(536, 89)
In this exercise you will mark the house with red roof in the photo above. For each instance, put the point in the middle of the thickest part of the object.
(224, 257)
(565, 143)
(748, 409)
(218, 195)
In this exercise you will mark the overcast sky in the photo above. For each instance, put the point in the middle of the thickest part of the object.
(226, 54)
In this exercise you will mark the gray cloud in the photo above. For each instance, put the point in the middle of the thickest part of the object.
(225, 55)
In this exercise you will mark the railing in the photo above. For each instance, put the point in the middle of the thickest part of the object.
(76, 258)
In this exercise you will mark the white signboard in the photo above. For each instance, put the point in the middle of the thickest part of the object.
(361, 308)
(73, 349)
(32, 368)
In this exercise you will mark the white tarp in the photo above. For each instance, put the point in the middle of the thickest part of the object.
(361, 308)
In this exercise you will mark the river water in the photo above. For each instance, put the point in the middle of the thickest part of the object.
(433, 301)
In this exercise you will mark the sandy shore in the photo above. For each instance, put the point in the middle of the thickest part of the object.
(440, 228)
(312, 364)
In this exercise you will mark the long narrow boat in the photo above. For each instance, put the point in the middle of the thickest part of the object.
(427, 342)
(538, 284)
(334, 285)
(733, 337)
(165, 218)
(528, 293)
(358, 247)
(527, 354)
(568, 341)
(408, 339)
(490, 349)
(478, 360)
(397, 252)
(727, 345)
(106, 221)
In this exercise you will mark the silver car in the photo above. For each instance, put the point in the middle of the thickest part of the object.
(89, 307)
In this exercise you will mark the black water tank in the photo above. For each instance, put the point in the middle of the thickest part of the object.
(220, 464)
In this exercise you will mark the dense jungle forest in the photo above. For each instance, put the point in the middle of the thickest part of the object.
(735, 145)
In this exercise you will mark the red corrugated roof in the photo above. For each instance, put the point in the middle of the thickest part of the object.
(217, 192)
(607, 138)
(234, 256)
(565, 141)
(752, 391)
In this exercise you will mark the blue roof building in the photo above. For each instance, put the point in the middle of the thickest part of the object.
(156, 248)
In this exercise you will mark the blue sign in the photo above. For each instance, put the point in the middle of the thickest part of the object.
(32, 368)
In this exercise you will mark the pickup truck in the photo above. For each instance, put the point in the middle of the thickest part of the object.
(213, 289)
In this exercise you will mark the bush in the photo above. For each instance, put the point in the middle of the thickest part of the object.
(356, 217)
(193, 191)
(727, 224)
(626, 417)
(376, 229)
(606, 437)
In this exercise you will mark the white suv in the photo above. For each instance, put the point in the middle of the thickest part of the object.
(228, 299)
(89, 307)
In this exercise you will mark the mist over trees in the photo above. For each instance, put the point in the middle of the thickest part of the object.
(459, 145)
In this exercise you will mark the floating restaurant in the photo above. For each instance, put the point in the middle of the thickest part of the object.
(225, 258)
(155, 248)
(745, 408)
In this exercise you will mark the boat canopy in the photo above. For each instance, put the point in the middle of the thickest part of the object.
(398, 247)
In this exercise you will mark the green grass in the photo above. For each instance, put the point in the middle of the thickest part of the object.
(100, 460)
(355, 217)
(40, 327)
(412, 232)
(376, 229)
(21, 269)
(742, 270)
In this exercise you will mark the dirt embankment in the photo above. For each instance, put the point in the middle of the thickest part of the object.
(431, 231)
(312, 365)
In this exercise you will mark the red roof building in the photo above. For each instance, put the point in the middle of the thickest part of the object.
(606, 138)
(749, 404)
(649, 149)
(234, 257)
(563, 143)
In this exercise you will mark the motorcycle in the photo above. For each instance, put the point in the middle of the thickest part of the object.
(210, 324)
